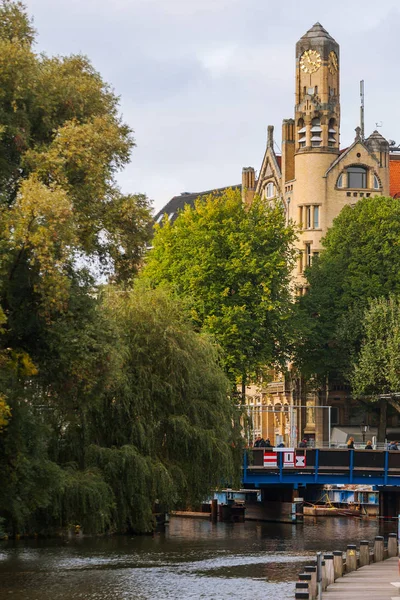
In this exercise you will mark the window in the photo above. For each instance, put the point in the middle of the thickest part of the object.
(301, 132)
(300, 262)
(332, 133)
(316, 217)
(308, 255)
(308, 217)
(270, 190)
(376, 183)
(316, 131)
(334, 415)
(357, 177)
(340, 181)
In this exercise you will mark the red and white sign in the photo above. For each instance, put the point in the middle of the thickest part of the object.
(288, 458)
(300, 461)
(270, 459)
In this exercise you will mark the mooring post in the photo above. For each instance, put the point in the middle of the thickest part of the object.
(338, 563)
(378, 548)
(324, 580)
(392, 545)
(302, 586)
(364, 553)
(214, 511)
(319, 575)
(312, 570)
(329, 569)
(351, 558)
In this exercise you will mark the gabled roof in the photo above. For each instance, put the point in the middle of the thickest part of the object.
(177, 203)
(344, 153)
(275, 162)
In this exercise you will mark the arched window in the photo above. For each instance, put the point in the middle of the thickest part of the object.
(377, 184)
(270, 190)
(357, 177)
(316, 133)
(340, 181)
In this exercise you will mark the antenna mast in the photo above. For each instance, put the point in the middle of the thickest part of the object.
(362, 109)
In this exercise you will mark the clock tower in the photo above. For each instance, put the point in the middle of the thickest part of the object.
(317, 111)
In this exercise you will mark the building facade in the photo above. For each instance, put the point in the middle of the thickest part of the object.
(314, 179)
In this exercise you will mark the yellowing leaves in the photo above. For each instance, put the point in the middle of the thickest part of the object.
(5, 413)
(41, 230)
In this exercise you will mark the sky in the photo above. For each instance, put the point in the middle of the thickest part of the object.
(200, 80)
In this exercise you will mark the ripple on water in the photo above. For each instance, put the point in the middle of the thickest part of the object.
(192, 560)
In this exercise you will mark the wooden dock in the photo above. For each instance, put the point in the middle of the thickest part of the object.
(372, 581)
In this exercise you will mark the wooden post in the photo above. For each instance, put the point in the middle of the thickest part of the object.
(392, 545)
(351, 558)
(302, 590)
(311, 570)
(364, 553)
(378, 548)
(214, 511)
(329, 570)
(324, 581)
(338, 563)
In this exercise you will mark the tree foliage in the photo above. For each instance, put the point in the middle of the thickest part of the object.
(231, 263)
(360, 261)
(377, 369)
(109, 400)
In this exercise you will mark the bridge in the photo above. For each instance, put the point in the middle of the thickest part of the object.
(319, 466)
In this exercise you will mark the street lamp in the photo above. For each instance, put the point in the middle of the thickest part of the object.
(363, 429)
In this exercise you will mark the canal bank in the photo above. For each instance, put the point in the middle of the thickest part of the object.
(193, 559)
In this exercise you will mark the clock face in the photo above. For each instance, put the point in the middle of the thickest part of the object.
(310, 61)
(333, 64)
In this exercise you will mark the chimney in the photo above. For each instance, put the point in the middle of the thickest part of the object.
(288, 150)
(248, 184)
(270, 139)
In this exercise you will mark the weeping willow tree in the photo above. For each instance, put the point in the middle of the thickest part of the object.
(167, 431)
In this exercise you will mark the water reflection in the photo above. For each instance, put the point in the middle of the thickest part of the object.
(194, 559)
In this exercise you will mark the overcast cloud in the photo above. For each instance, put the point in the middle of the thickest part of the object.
(200, 80)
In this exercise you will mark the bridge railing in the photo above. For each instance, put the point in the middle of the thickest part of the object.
(351, 466)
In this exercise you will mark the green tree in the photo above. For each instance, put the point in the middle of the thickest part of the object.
(376, 371)
(62, 142)
(232, 264)
(166, 430)
(360, 261)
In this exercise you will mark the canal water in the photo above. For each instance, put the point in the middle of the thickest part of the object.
(193, 559)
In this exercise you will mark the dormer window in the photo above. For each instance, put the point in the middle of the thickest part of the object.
(357, 177)
(270, 190)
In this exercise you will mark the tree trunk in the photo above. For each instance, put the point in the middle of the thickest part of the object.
(382, 420)
(243, 388)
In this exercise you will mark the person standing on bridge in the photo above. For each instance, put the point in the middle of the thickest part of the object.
(393, 446)
(303, 443)
(350, 444)
(369, 445)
